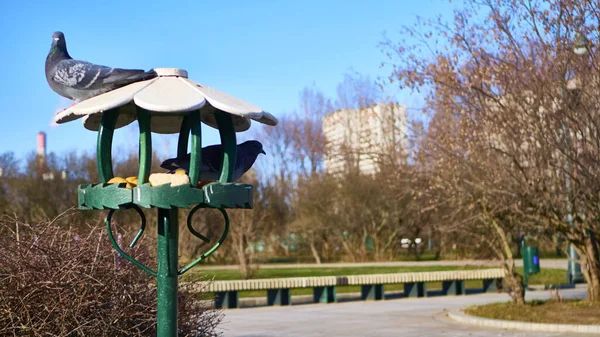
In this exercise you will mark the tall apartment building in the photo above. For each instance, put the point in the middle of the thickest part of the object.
(362, 139)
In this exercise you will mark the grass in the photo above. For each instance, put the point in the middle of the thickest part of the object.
(310, 259)
(333, 271)
(547, 276)
(552, 311)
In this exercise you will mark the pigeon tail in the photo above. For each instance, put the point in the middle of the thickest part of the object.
(141, 75)
(127, 76)
(172, 164)
(150, 74)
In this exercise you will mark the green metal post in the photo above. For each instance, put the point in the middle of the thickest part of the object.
(184, 136)
(145, 148)
(228, 140)
(167, 272)
(574, 274)
(193, 120)
(104, 146)
(525, 256)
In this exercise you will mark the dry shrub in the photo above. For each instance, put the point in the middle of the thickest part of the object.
(58, 282)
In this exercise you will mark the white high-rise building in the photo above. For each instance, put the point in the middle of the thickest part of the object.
(365, 138)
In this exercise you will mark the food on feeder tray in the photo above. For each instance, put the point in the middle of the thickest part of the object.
(130, 182)
(180, 178)
(177, 179)
(117, 180)
(157, 179)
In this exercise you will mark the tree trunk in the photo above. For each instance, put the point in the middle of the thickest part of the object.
(349, 250)
(326, 250)
(590, 268)
(514, 283)
(438, 249)
(378, 249)
(242, 257)
(244, 266)
(513, 280)
(594, 268)
(417, 252)
(593, 283)
(286, 249)
(315, 252)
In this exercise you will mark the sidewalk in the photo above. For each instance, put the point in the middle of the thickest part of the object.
(405, 317)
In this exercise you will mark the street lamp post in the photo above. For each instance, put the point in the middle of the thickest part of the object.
(574, 274)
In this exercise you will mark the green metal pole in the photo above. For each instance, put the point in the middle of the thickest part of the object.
(228, 140)
(574, 274)
(525, 257)
(193, 121)
(104, 146)
(167, 272)
(145, 148)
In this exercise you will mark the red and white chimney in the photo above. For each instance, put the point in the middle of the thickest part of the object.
(41, 144)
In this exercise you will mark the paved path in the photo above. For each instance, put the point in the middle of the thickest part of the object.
(544, 263)
(400, 317)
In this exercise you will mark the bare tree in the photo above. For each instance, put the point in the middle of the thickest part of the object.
(525, 109)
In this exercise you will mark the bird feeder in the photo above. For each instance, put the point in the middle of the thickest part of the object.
(170, 103)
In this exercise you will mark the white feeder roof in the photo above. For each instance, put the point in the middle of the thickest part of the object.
(168, 98)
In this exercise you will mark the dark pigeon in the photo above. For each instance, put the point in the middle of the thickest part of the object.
(212, 159)
(80, 80)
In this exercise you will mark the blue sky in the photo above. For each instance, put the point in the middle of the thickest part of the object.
(261, 51)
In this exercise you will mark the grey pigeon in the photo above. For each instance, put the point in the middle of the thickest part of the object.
(212, 159)
(80, 80)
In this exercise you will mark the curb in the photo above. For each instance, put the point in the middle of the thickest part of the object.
(538, 287)
(461, 317)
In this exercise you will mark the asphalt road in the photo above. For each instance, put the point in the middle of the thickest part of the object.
(398, 317)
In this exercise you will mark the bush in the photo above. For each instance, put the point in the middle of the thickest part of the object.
(54, 281)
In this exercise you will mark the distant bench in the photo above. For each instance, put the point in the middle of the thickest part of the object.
(278, 289)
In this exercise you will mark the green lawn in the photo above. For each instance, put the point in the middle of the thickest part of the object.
(547, 276)
(566, 312)
(306, 272)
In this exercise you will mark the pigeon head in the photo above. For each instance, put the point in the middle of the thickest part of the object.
(250, 151)
(253, 147)
(58, 43)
